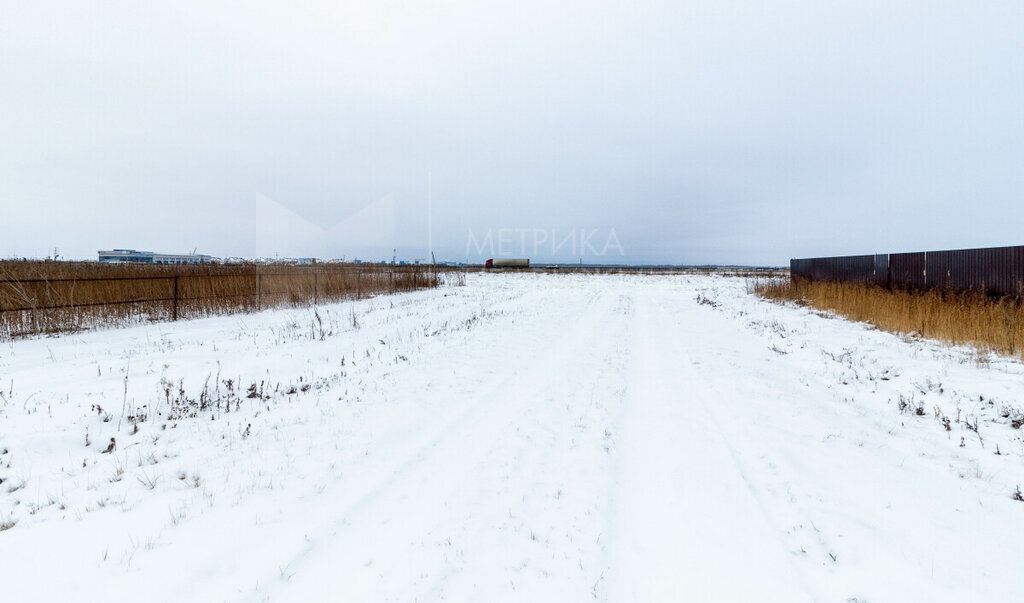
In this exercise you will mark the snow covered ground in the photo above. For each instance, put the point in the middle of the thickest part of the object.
(524, 437)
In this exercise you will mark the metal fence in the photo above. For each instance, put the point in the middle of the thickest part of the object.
(995, 270)
(861, 268)
(53, 304)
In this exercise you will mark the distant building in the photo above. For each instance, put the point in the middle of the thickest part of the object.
(132, 256)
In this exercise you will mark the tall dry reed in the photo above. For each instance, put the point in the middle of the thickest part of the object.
(48, 297)
(959, 318)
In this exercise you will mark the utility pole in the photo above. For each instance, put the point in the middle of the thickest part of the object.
(430, 214)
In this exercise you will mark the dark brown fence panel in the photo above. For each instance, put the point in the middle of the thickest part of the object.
(998, 274)
(996, 270)
(1016, 284)
(990, 267)
(907, 269)
(860, 268)
(798, 267)
(881, 272)
(845, 268)
(938, 267)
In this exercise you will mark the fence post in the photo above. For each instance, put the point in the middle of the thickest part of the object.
(259, 291)
(174, 311)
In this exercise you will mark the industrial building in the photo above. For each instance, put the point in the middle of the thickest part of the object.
(118, 256)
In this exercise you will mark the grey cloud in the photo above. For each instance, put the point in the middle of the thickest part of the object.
(727, 131)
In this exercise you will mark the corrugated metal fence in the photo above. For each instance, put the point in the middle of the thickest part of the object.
(996, 270)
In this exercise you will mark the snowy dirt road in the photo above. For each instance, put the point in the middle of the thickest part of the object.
(524, 437)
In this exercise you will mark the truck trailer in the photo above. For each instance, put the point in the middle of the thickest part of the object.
(507, 263)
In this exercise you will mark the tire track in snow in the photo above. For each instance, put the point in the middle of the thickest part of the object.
(689, 526)
(439, 462)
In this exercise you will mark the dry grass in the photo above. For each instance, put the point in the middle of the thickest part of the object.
(960, 318)
(47, 297)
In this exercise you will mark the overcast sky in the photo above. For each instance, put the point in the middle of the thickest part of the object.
(717, 131)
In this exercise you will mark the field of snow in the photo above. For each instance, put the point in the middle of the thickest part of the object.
(523, 437)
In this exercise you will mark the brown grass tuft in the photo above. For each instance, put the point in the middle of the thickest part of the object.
(47, 297)
(959, 318)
